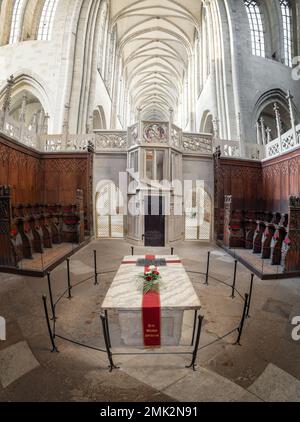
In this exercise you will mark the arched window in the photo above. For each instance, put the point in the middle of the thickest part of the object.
(15, 30)
(256, 26)
(286, 12)
(47, 18)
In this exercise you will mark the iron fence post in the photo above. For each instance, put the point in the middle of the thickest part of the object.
(54, 348)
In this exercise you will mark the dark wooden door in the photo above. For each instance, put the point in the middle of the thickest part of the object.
(154, 221)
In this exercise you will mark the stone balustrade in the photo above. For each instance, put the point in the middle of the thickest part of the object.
(101, 141)
(143, 134)
(18, 131)
(229, 148)
(167, 134)
(286, 142)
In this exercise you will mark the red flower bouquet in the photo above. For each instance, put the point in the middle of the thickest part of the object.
(151, 278)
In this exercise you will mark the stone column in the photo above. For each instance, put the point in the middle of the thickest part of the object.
(140, 124)
(90, 125)
(44, 129)
(216, 129)
(258, 134)
(42, 142)
(66, 127)
(269, 132)
(7, 100)
(23, 109)
(278, 124)
(227, 219)
(22, 116)
(263, 131)
(34, 123)
(239, 129)
(289, 97)
(171, 119)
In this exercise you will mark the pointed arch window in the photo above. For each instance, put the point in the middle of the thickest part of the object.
(47, 19)
(16, 22)
(286, 13)
(256, 26)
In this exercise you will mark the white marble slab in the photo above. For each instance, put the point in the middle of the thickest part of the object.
(176, 289)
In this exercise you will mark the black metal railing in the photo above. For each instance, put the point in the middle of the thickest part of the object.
(197, 326)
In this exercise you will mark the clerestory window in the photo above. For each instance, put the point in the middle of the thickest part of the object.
(256, 27)
(286, 13)
(16, 22)
(47, 19)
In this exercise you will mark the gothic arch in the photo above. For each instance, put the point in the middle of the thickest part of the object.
(206, 125)
(32, 84)
(264, 108)
(99, 120)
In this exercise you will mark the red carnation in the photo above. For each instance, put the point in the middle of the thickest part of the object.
(155, 272)
(149, 278)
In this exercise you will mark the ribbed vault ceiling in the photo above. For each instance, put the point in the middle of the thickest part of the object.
(155, 39)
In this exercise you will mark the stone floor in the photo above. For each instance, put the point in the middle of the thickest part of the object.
(266, 367)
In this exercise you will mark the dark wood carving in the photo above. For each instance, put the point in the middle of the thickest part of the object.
(292, 256)
(34, 178)
(52, 178)
(80, 213)
(279, 237)
(267, 240)
(7, 256)
(257, 241)
(26, 236)
(218, 202)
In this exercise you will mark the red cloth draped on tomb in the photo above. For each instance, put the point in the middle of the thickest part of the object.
(151, 315)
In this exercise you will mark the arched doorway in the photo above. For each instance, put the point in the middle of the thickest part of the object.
(198, 215)
(109, 212)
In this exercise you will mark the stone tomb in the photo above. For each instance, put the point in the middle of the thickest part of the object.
(177, 295)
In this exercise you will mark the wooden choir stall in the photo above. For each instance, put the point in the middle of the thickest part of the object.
(273, 237)
(31, 230)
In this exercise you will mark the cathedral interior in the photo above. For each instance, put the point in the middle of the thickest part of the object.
(149, 127)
